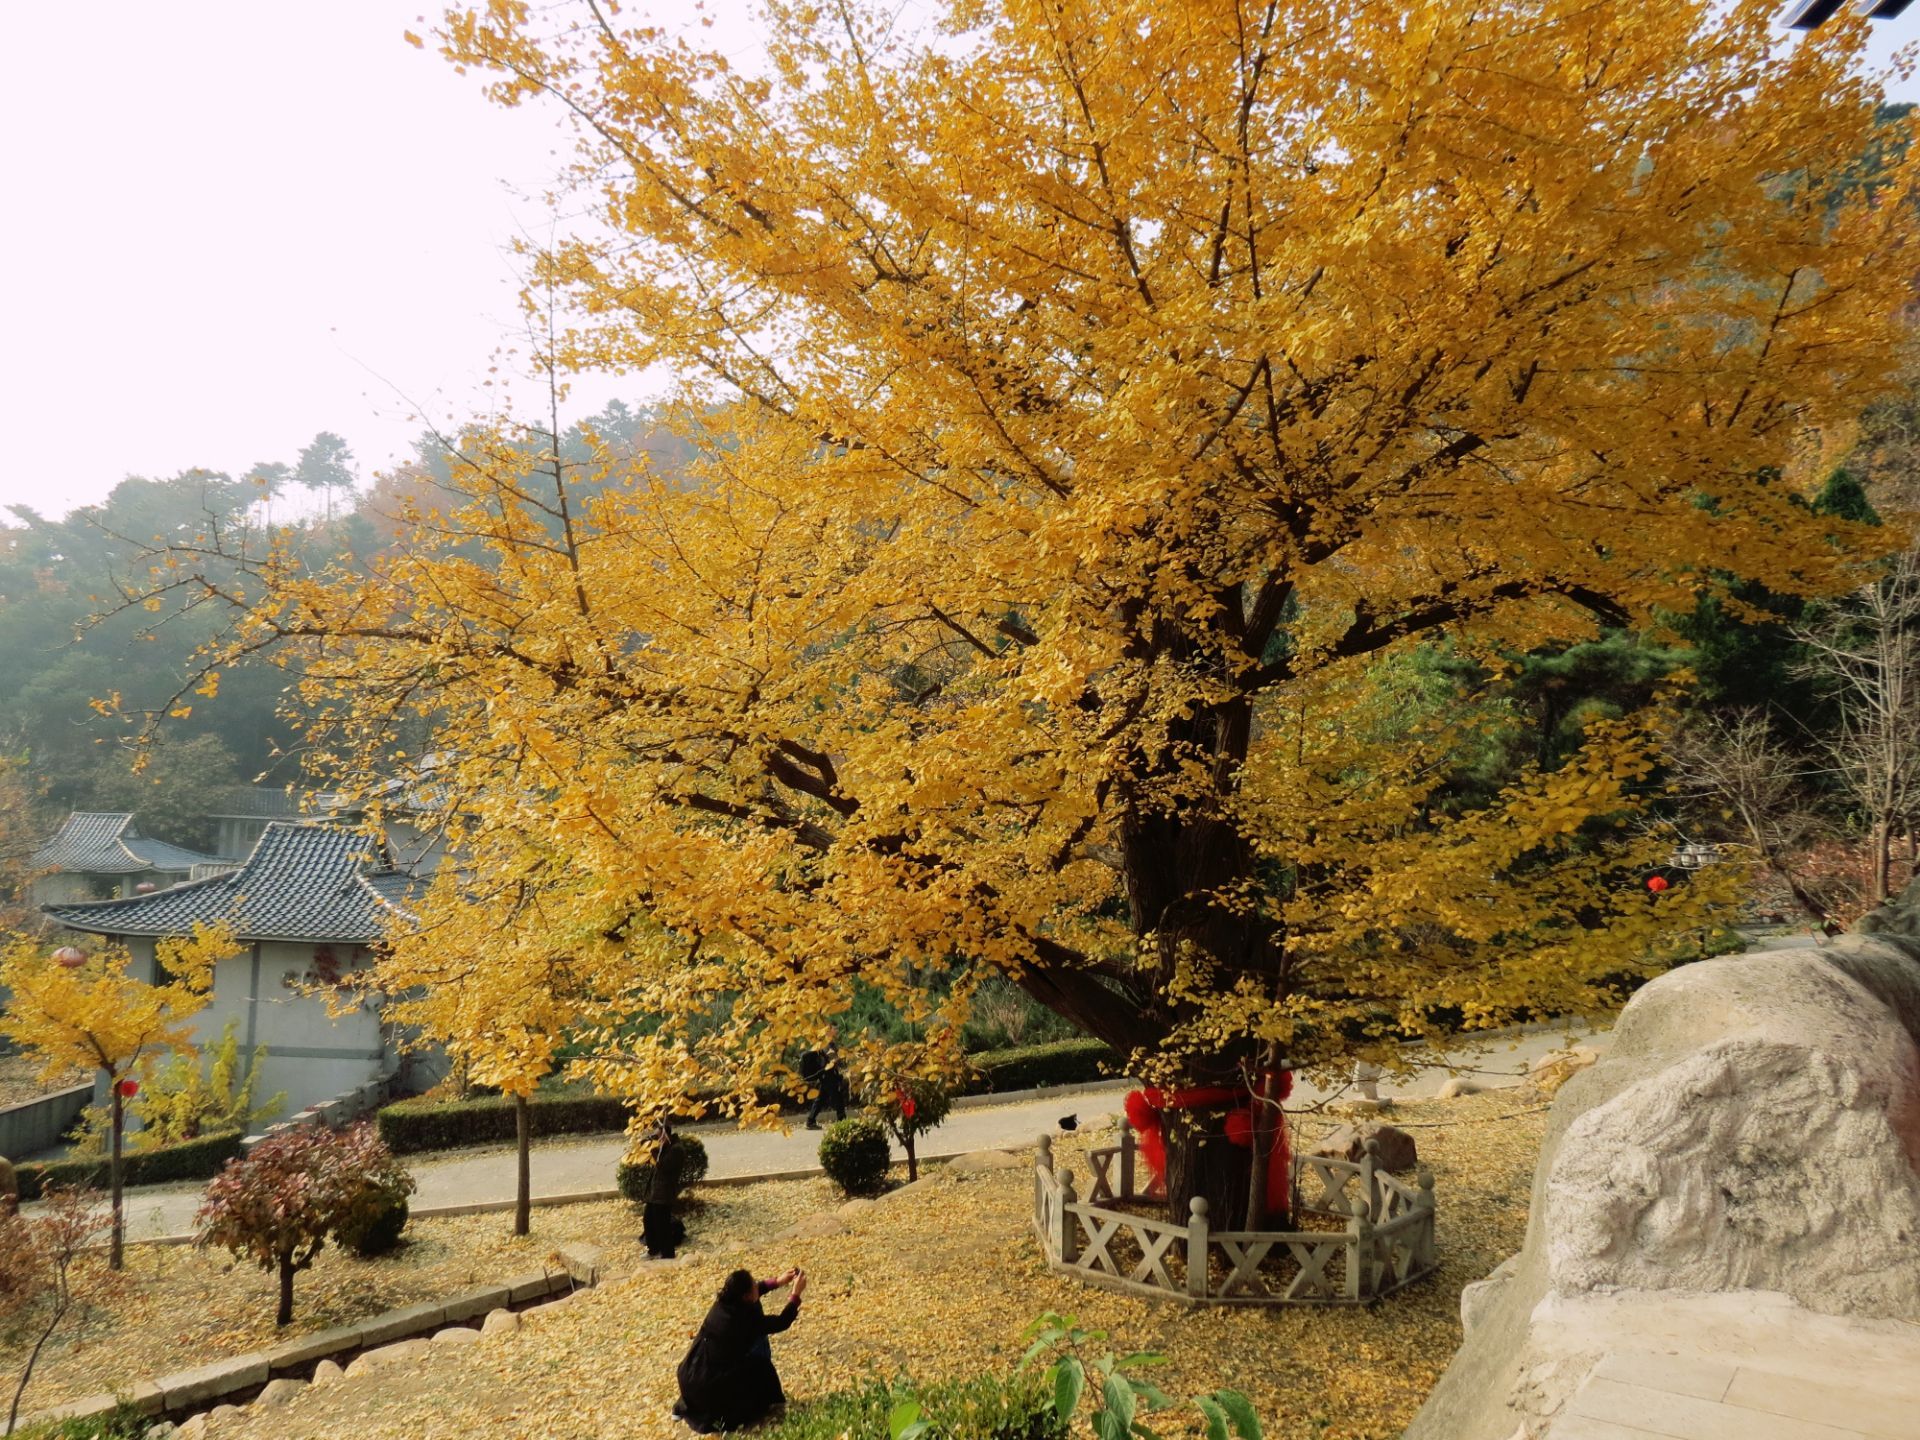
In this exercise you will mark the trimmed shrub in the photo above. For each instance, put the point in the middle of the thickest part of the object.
(982, 1408)
(1063, 1062)
(377, 1213)
(414, 1125)
(378, 1231)
(855, 1155)
(634, 1178)
(195, 1160)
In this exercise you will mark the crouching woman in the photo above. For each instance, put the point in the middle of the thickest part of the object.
(727, 1379)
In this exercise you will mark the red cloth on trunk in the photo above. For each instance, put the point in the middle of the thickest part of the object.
(1146, 1111)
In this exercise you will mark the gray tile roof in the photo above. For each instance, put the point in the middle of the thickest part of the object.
(270, 802)
(302, 882)
(105, 843)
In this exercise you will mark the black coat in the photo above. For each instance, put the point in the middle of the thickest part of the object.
(668, 1166)
(727, 1379)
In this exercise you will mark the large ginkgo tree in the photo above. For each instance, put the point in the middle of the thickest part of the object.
(1093, 398)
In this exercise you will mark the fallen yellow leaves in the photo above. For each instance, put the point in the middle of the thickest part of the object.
(936, 1281)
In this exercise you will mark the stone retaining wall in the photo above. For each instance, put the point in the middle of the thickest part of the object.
(180, 1394)
(41, 1123)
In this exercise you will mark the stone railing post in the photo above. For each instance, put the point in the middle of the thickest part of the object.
(1042, 1193)
(1066, 1234)
(1126, 1160)
(1425, 1202)
(1197, 1248)
(1359, 1258)
(1369, 1182)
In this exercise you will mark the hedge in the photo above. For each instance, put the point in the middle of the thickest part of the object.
(195, 1160)
(414, 1125)
(1062, 1062)
(410, 1126)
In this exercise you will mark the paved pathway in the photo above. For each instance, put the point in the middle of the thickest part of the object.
(583, 1166)
(1777, 1374)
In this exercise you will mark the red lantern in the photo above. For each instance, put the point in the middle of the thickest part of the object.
(907, 1107)
(71, 956)
(129, 1088)
(1656, 883)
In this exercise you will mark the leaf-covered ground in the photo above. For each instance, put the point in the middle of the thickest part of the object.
(20, 1080)
(936, 1281)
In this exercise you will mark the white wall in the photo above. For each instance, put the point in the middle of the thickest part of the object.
(311, 1055)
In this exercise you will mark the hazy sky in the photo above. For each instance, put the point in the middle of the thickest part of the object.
(233, 223)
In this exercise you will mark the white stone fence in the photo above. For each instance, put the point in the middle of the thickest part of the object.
(1385, 1239)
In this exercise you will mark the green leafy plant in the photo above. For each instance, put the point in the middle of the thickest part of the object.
(634, 1178)
(855, 1156)
(375, 1229)
(982, 1407)
(1118, 1396)
(181, 1101)
(126, 1421)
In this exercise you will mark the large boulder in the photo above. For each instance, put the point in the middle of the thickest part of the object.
(1754, 1127)
(1396, 1150)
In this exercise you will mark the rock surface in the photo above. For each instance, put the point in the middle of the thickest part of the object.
(1397, 1150)
(809, 1226)
(1754, 1127)
(327, 1371)
(1457, 1086)
(1551, 1071)
(388, 1357)
(500, 1322)
(279, 1392)
(977, 1161)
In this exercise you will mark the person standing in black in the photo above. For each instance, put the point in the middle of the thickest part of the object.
(821, 1070)
(662, 1230)
(727, 1379)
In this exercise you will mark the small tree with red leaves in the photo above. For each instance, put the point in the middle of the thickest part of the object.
(38, 1254)
(279, 1205)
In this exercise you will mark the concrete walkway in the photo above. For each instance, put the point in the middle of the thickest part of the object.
(1743, 1365)
(565, 1168)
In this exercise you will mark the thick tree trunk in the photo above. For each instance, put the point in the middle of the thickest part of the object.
(285, 1317)
(523, 1180)
(1202, 1162)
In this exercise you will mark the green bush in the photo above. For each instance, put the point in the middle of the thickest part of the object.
(634, 1178)
(378, 1230)
(125, 1421)
(414, 1125)
(855, 1156)
(982, 1408)
(195, 1160)
(1063, 1062)
(378, 1213)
